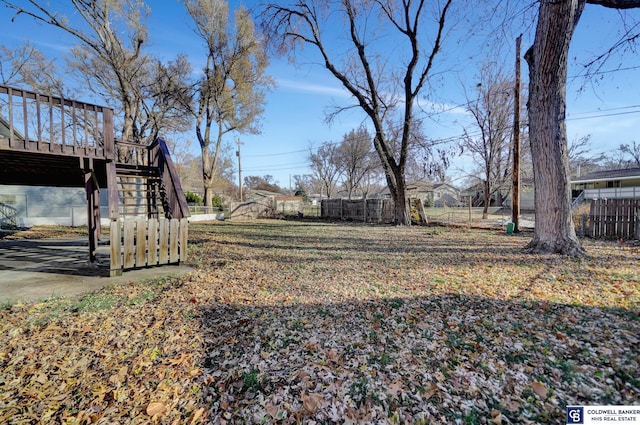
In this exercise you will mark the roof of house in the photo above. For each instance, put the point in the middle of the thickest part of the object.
(421, 186)
(621, 174)
(262, 193)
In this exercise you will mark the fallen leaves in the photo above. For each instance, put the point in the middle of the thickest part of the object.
(155, 408)
(311, 322)
(540, 389)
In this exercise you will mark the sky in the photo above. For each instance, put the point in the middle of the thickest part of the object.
(606, 107)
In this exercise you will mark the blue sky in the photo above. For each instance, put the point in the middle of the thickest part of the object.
(607, 107)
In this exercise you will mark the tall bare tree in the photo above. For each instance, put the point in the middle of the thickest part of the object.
(110, 60)
(356, 160)
(230, 95)
(547, 59)
(385, 67)
(325, 165)
(111, 35)
(489, 143)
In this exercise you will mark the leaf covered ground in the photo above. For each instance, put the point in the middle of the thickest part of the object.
(293, 322)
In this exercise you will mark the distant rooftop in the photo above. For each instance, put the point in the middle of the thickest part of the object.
(625, 173)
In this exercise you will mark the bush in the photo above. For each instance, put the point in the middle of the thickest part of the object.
(193, 198)
(216, 201)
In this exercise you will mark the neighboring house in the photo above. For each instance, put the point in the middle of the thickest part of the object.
(5, 131)
(276, 202)
(445, 195)
(431, 194)
(476, 192)
(316, 198)
(608, 184)
(260, 195)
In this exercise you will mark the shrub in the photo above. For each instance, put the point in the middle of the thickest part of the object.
(193, 198)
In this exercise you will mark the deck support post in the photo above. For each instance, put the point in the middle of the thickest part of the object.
(93, 206)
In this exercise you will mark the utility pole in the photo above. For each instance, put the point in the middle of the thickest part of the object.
(239, 168)
(515, 204)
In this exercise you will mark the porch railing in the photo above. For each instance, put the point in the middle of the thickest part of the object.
(613, 193)
(43, 123)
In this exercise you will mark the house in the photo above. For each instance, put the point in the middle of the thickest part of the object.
(431, 194)
(499, 197)
(608, 184)
(275, 203)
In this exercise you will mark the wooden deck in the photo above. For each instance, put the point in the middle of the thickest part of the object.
(50, 141)
(34, 122)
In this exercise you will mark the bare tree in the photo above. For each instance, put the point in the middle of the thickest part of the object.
(230, 95)
(582, 160)
(110, 55)
(27, 66)
(266, 182)
(490, 145)
(325, 165)
(632, 150)
(385, 89)
(547, 59)
(356, 160)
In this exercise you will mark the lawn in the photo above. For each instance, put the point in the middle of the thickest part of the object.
(311, 322)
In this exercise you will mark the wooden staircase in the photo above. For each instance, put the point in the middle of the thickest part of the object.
(148, 209)
(141, 192)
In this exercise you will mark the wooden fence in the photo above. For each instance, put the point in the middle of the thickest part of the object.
(614, 218)
(366, 210)
(146, 242)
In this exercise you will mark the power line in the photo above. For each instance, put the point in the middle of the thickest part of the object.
(276, 154)
(608, 71)
(603, 115)
(606, 110)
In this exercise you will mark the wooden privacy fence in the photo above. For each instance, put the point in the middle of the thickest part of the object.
(146, 242)
(614, 218)
(366, 210)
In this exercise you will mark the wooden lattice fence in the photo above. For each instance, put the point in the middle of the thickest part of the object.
(146, 242)
(614, 218)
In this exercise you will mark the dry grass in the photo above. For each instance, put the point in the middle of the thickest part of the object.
(293, 322)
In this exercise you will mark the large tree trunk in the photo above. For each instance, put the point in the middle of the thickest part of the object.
(403, 216)
(547, 59)
(487, 198)
(398, 189)
(207, 176)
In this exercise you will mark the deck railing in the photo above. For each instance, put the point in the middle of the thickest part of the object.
(632, 192)
(42, 123)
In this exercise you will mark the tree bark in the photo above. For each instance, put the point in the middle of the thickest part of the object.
(547, 59)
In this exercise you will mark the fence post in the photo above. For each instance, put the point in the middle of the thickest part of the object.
(365, 209)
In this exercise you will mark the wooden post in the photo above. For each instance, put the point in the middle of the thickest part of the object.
(112, 191)
(115, 249)
(107, 128)
(515, 204)
(93, 209)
